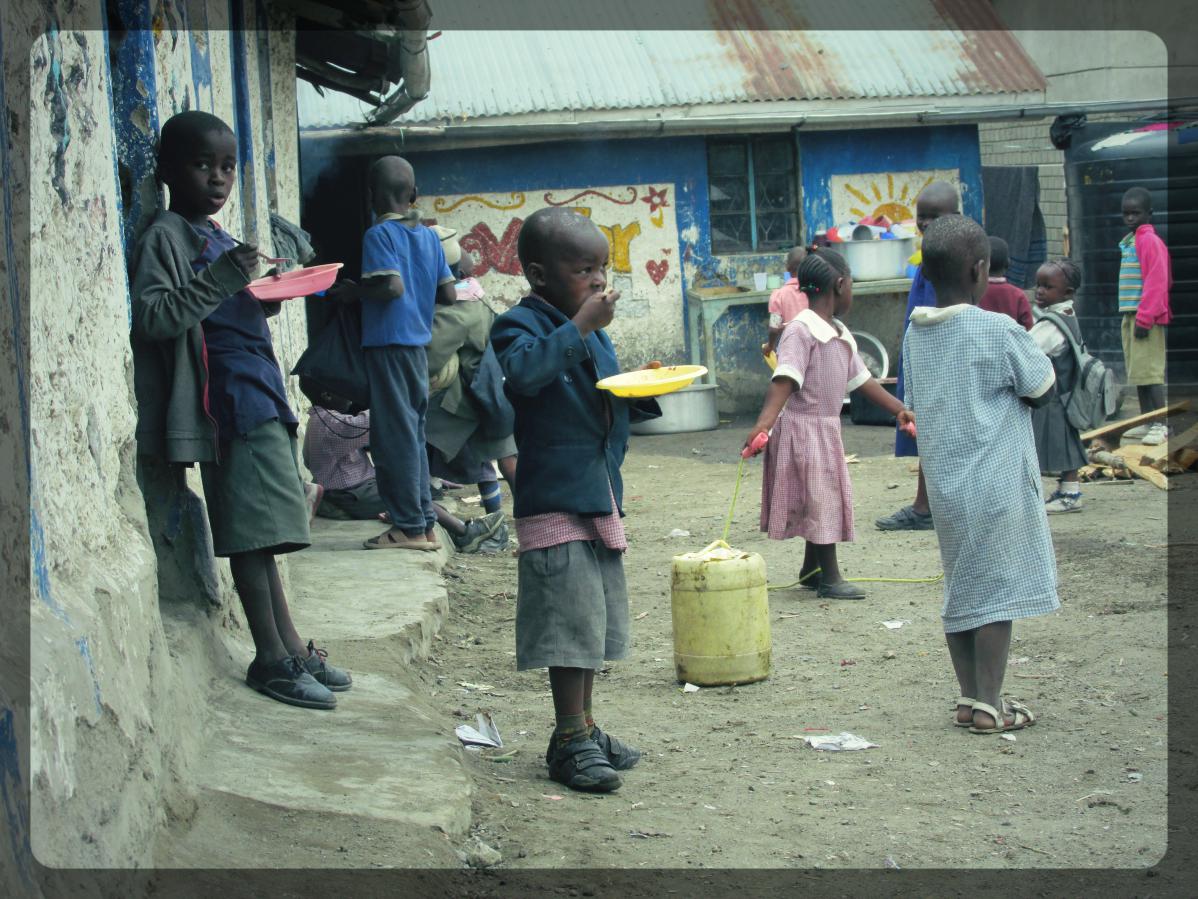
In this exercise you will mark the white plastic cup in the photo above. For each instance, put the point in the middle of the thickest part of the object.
(760, 279)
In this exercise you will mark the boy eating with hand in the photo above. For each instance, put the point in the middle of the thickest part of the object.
(572, 604)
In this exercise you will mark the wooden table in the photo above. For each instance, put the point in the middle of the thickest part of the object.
(702, 313)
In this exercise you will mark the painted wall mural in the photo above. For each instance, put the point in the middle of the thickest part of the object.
(891, 194)
(639, 223)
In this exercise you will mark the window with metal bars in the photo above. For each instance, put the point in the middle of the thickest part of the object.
(753, 193)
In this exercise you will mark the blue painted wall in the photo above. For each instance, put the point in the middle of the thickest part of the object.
(823, 154)
(683, 162)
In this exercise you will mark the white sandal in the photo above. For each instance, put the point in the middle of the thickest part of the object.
(1022, 715)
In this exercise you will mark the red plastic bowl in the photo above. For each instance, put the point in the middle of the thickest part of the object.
(299, 283)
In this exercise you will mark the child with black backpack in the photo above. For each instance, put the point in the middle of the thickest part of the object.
(1058, 445)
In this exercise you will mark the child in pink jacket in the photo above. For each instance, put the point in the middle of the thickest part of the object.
(1145, 278)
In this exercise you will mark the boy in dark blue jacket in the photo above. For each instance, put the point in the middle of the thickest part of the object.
(572, 605)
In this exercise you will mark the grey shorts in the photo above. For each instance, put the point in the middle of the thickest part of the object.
(255, 494)
(571, 607)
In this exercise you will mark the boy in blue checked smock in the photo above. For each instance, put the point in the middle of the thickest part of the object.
(209, 391)
(972, 378)
(404, 275)
(572, 604)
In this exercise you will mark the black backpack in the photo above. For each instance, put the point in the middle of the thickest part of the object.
(332, 370)
(1094, 396)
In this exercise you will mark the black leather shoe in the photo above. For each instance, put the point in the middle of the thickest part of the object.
(581, 765)
(287, 681)
(843, 590)
(329, 675)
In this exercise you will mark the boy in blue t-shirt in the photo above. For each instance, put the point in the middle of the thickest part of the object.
(937, 199)
(404, 275)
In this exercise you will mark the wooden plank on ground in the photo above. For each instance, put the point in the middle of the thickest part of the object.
(1131, 456)
(1156, 455)
(1118, 427)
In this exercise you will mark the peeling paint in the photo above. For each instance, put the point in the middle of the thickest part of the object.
(12, 792)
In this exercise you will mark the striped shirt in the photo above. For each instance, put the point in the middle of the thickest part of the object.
(556, 528)
(1131, 282)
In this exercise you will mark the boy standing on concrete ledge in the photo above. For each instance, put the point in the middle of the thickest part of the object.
(572, 604)
(209, 390)
(403, 276)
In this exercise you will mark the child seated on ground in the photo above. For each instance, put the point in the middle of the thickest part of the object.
(1002, 296)
(209, 390)
(1058, 444)
(805, 488)
(572, 602)
(336, 450)
(787, 301)
(458, 421)
(971, 380)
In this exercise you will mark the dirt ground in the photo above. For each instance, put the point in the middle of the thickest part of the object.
(727, 781)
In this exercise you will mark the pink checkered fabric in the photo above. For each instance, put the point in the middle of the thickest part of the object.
(556, 528)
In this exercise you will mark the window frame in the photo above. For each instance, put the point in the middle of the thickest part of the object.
(749, 144)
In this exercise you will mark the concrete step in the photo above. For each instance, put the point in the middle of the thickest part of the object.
(379, 780)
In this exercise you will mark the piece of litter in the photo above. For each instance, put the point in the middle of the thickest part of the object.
(640, 616)
(551, 796)
(890, 654)
(710, 807)
(678, 532)
(645, 834)
(846, 662)
(654, 466)
(895, 623)
(697, 452)
(1135, 777)
(482, 688)
(891, 863)
(842, 742)
(485, 734)
(690, 688)
(1010, 738)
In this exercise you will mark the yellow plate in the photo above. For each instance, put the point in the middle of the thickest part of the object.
(652, 382)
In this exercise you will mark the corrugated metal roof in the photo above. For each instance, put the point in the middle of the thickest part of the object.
(962, 50)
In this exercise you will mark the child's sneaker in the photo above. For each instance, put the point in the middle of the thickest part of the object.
(580, 764)
(477, 532)
(619, 754)
(1063, 502)
(1137, 432)
(1157, 434)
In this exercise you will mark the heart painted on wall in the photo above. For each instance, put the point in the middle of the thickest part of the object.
(657, 269)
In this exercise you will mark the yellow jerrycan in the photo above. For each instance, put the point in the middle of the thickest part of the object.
(720, 611)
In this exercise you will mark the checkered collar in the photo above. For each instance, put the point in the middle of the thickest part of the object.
(822, 331)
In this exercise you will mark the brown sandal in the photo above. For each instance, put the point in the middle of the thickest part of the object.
(389, 540)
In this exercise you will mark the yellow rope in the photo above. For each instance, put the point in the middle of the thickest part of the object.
(740, 473)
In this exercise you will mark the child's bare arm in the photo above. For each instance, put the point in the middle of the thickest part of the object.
(382, 287)
(775, 398)
(878, 395)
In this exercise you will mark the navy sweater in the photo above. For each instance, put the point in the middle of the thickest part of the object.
(571, 436)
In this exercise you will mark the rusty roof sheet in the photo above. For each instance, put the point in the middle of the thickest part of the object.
(948, 48)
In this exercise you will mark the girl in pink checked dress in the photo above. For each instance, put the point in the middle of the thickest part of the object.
(805, 487)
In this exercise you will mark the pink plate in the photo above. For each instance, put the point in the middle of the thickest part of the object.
(299, 283)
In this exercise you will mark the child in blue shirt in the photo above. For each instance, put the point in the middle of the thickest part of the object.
(937, 199)
(209, 390)
(404, 275)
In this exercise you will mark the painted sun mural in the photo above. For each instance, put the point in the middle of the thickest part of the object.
(891, 194)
